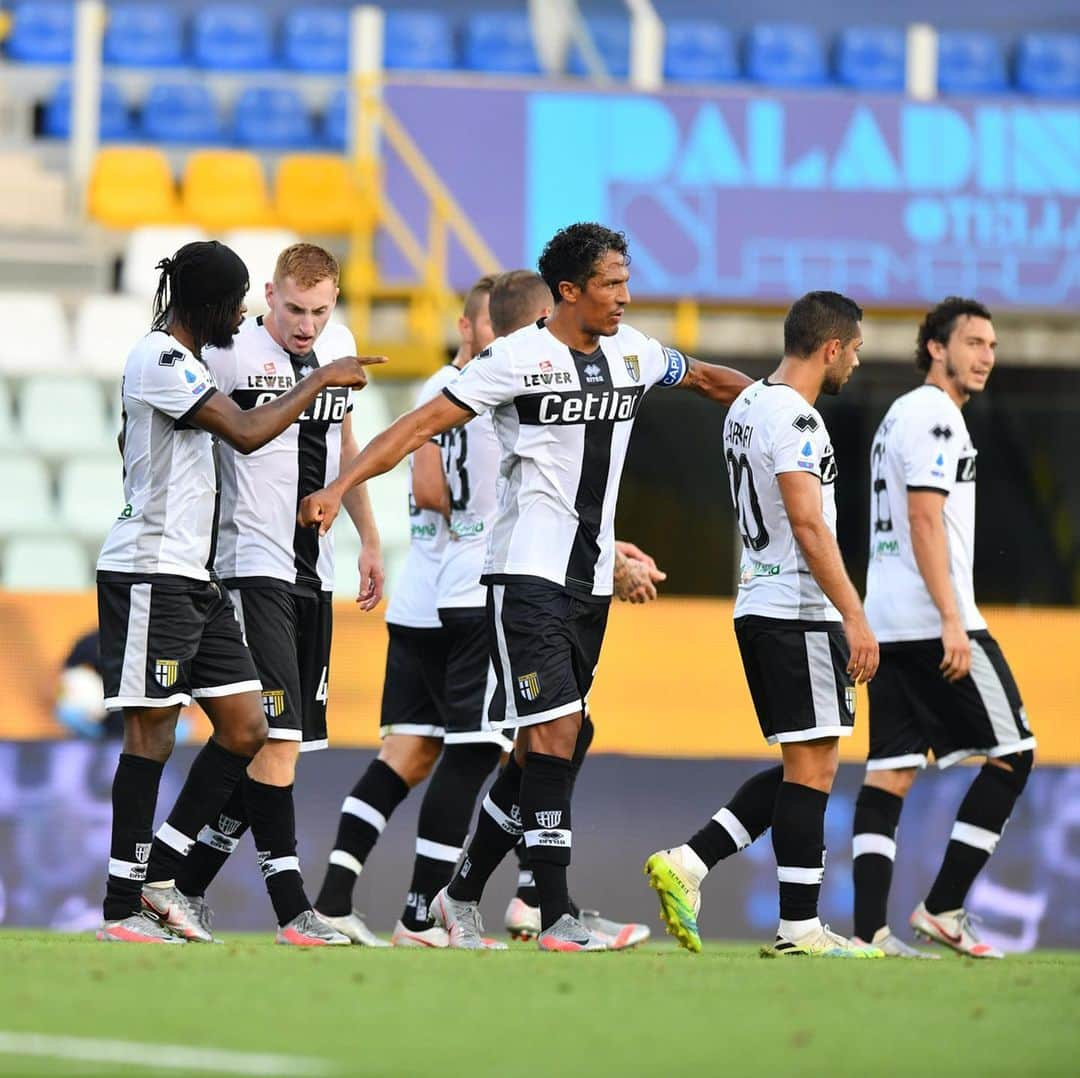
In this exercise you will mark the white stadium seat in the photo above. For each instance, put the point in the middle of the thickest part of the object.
(146, 247)
(62, 416)
(106, 328)
(9, 437)
(36, 336)
(91, 495)
(259, 248)
(45, 563)
(28, 506)
(389, 496)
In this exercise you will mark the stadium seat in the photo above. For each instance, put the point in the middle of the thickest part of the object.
(418, 41)
(500, 42)
(180, 112)
(132, 186)
(611, 36)
(314, 193)
(1048, 65)
(42, 33)
(699, 51)
(146, 247)
(46, 563)
(115, 119)
(785, 54)
(233, 37)
(225, 189)
(316, 39)
(336, 120)
(28, 505)
(273, 117)
(970, 63)
(107, 325)
(143, 35)
(59, 416)
(9, 437)
(91, 495)
(259, 248)
(45, 345)
(871, 58)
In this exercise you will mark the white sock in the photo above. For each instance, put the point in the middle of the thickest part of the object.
(793, 930)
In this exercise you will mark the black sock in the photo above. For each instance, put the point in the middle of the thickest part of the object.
(744, 819)
(363, 816)
(134, 798)
(498, 827)
(873, 851)
(443, 826)
(526, 888)
(979, 822)
(273, 827)
(214, 775)
(213, 845)
(798, 838)
(545, 817)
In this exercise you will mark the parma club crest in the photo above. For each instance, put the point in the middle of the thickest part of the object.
(633, 367)
(849, 699)
(166, 671)
(529, 686)
(273, 702)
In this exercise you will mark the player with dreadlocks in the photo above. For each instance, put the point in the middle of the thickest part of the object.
(168, 631)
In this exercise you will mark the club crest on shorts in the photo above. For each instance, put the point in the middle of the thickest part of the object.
(633, 367)
(142, 852)
(849, 699)
(166, 671)
(529, 686)
(273, 702)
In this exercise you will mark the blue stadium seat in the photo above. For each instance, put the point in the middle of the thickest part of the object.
(871, 58)
(144, 35)
(611, 36)
(699, 51)
(418, 41)
(233, 37)
(970, 63)
(785, 54)
(115, 120)
(272, 117)
(500, 42)
(334, 122)
(42, 33)
(316, 39)
(180, 112)
(1049, 65)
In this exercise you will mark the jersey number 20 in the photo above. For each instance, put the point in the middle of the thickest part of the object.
(746, 502)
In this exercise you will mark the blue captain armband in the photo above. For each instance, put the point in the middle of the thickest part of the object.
(676, 367)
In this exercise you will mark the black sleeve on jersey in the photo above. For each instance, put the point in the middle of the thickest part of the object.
(453, 400)
(184, 422)
(936, 490)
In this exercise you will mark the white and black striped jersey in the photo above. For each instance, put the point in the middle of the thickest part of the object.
(413, 599)
(921, 444)
(770, 430)
(259, 536)
(168, 524)
(471, 457)
(563, 420)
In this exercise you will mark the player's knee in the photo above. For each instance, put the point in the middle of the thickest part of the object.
(150, 733)
(245, 737)
(411, 758)
(558, 737)
(897, 781)
(1014, 769)
(473, 761)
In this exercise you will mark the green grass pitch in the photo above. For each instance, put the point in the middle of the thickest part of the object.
(656, 1011)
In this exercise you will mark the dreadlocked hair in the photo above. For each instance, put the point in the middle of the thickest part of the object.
(206, 322)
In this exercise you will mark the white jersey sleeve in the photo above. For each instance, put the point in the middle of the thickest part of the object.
(174, 383)
(930, 449)
(488, 381)
(666, 367)
(223, 364)
(799, 441)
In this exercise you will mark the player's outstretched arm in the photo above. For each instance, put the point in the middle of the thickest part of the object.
(802, 503)
(930, 544)
(402, 437)
(249, 429)
(720, 384)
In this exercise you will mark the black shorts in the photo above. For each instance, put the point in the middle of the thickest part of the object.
(545, 646)
(470, 679)
(166, 639)
(913, 709)
(414, 688)
(289, 636)
(797, 678)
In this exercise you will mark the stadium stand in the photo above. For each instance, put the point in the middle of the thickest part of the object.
(335, 122)
(259, 248)
(611, 36)
(106, 326)
(59, 416)
(181, 112)
(500, 42)
(132, 186)
(91, 494)
(313, 193)
(145, 248)
(225, 189)
(1048, 65)
(45, 562)
(781, 54)
(8, 432)
(273, 117)
(48, 348)
(316, 39)
(970, 63)
(233, 37)
(25, 482)
(698, 50)
(418, 41)
(871, 58)
(42, 33)
(115, 118)
(144, 35)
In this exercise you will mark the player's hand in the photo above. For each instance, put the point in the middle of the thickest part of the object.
(372, 578)
(636, 574)
(956, 662)
(318, 510)
(863, 645)
(349, 370)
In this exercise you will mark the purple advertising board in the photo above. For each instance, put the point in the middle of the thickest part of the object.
(737, 197)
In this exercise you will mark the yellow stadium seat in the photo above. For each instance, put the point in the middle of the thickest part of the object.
(132, 186)
(313, 192)
(226, 189)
